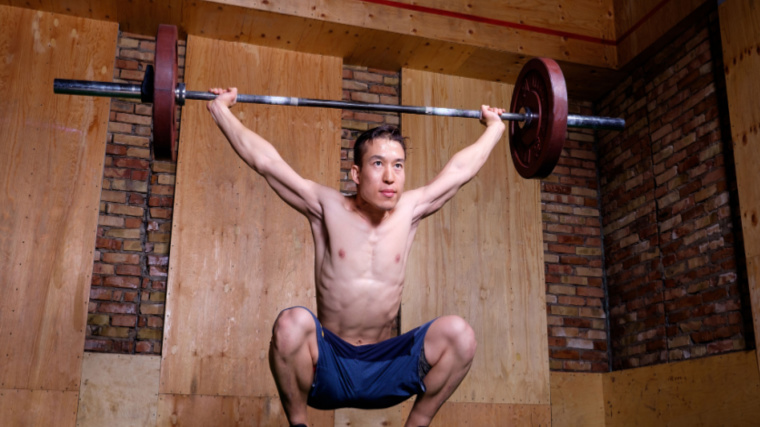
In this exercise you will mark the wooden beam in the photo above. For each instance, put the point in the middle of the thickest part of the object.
(575, 33)
(639, 24)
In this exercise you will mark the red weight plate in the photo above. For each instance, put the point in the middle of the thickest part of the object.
(537, 145)
(164, 103)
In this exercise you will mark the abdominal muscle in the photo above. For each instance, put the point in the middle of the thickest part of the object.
(360, 274)
(360, 313)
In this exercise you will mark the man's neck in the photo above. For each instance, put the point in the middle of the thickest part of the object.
(371, 214)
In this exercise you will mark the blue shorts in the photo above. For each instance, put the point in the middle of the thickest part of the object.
(368, 376)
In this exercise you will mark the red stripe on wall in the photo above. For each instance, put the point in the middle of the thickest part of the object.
(518, 26)
(641, 21)
(490, 21)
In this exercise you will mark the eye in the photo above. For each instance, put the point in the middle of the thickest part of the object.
(377, 163)
(399, 166)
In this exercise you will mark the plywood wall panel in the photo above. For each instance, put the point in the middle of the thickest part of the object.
(118, 390)
(719, 390)
(577, 399)
(51, 170)
(350, 417)
(481, 256)
(238, 253)
(24, 408)
(456, 414)
(203, 411)
(740, 32)
(753, 278)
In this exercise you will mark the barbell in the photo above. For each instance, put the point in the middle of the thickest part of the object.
(538, 109)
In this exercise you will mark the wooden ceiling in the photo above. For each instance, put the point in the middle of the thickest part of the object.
(593, 40)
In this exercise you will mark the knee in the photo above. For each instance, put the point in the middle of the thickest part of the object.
(461, 336)
(291, 329)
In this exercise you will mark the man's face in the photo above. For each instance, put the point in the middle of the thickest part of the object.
(380, 180)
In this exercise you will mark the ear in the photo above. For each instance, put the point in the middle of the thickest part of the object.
(355, 174)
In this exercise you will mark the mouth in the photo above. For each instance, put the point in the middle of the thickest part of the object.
(388, 193)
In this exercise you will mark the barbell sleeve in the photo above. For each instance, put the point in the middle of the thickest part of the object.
(595, 122)
(91, 88)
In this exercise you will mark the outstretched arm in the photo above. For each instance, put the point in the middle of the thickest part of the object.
(260, 155)
(462, 167)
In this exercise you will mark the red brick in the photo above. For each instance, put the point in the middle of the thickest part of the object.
(129, 270)
(122, 282)
(100, 294)
(138, 175)
(567, 249)
(564, 354)
(385, 90)
(111, 244)
(121, 320)
(570, 240)
(161, 201)
(157, 271)
(116, 150)
(130, 163)
(119, 258)
(161, 213)
(158, 260)
(133, 222)
(121, 308)
(144, 347)
(116, 173)
(100, 345)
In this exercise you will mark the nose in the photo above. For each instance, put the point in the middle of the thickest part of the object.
(388, 175)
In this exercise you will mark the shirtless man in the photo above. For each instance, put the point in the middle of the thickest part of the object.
(346, 356)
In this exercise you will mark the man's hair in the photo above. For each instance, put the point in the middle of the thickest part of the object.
(381, 132)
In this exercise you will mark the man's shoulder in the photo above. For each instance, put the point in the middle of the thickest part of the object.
(331, 198)
(325, 192)
(410, 197)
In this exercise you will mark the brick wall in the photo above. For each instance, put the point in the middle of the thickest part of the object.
(128, 289)
(361, 84)
(668, 205)
(575, 289)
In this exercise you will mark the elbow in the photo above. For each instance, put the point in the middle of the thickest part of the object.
(262, 166)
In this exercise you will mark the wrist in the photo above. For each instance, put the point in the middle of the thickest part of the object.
(497, 124)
